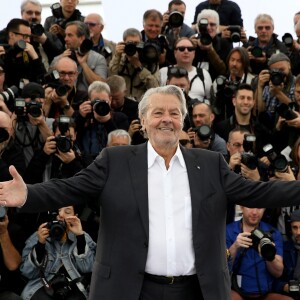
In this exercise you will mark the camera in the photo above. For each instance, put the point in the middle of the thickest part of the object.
(4, 136)
(33, 108)
(294, 286)
(63, 143)
(37, 29)
(9, 94)
(204, 132)
(235, 35)
(12, 51)
(277, 77)
(175, 19)
(83, 49)
(58, 15)
(57, 228)
(61, 287)
(265, 241)
(285, 111)
(248, 158)
(279, 162)
(51, 79)
(256, 51)
(288, 40)
(132, 47)
(205, 38)
(2, 213)
(101, 107)
(228, 87)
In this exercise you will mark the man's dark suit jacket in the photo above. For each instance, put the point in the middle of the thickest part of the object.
(118, 178)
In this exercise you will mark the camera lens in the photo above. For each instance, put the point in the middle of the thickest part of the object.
(175, 19)
(63, 143)
(130, 49)
(101, 107)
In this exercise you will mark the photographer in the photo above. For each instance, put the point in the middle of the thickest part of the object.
(132, 62)
(62, 13)
(96, 120)
(45, 43)
(91, 65)
(204, 137)
(224, 87)
(212, 50)
(256, 251)
(174, 27)
(57, 257)
(288, 283)
(275, 86)
(60, 156)
(31, 126)
(261, 48)
(20, 55)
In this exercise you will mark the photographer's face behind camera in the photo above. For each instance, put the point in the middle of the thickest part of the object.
(65, 212)
(103, 114)
(212, 28)
(264, 30)
(23, 33)
(71, 39)
(252, 216)
(283, 67)
(131, 40)
(32, 13)
(181, 82)
(67, 71)
(202, 115)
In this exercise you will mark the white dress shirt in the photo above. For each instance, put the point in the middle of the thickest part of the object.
(170, 251)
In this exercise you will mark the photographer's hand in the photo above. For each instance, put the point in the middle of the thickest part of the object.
(250, 174)
(56, 29)
(66, 157)
(295, 122)
(288, 176)
(135, 126)
(263, 78)
(31, 51)
(85, 108)
(242, 241)
(74, 225)
(50, 145)
(235, 160)
(43, 233)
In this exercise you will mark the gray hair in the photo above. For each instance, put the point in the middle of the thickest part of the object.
(100, 19)
(263, 17)
(118, 132)
(206, 13)
(34, 2)
(82, 29)
(131, 32)
(166, 90)
(98, 87)
(116, 83)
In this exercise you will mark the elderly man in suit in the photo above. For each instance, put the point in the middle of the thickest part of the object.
(162, 228)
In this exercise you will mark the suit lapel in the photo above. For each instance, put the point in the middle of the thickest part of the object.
(138, 165)
(196, 181)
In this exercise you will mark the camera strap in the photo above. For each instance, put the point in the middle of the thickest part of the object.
(199, 75)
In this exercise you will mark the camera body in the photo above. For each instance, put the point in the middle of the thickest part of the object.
(285, 112)
(205, 38)
(33, 108)
(248, 158)
(10, 94)
(228, 87)
(235, 35)
(51, 79)
(277, 77)
(279, 162)
(288, 40)
(37, 29)
(294, 286)
(58, 15)
(204, 132)
(257, 51)
(265, 241)
(57, 228)
(101, 107)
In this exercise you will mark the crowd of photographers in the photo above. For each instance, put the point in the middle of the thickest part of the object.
(66, 92)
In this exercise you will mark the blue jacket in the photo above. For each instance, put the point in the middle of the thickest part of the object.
(58, 254)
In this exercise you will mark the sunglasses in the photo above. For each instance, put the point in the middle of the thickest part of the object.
(91, 24)
(263, 27)
(177, 71)
(182, 48)
(184, 142)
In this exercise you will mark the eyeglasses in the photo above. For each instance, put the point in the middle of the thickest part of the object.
(184, 142)
(177, 72)
(182, 48)
(64, 74)
(25, 36)
(31, 12)
(91, 24)
(264, 27)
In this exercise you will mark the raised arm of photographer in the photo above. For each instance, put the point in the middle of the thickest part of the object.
(295, 122)
(11, 256)
(263, 78)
